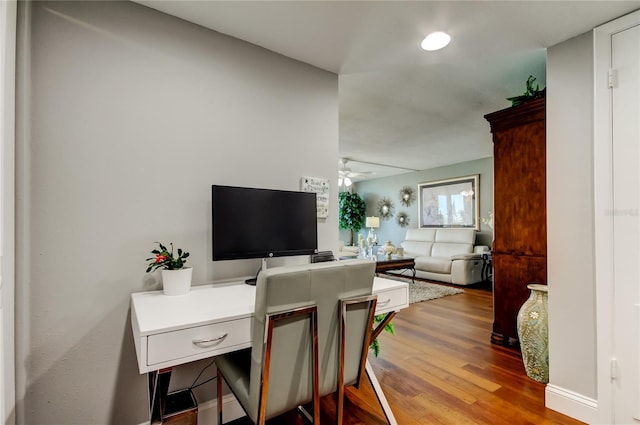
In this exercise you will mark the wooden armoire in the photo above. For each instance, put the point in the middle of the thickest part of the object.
(519, 252)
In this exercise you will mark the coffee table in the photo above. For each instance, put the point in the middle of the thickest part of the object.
(400, 263)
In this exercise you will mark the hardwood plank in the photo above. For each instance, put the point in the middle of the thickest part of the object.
(441, 368)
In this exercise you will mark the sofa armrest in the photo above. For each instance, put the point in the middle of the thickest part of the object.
(480, 249)
(467, 269)
(351, 249)
(466, 257)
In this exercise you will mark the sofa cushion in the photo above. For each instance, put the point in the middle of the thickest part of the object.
(426, 235)
(466, 236)
(434, 264)
(444, 249)
(417, 249)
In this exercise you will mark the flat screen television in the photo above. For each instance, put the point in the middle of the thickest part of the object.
(262, 223)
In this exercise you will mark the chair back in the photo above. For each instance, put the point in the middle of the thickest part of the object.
(285, 288)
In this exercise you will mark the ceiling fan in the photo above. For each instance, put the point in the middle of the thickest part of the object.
(345, 174)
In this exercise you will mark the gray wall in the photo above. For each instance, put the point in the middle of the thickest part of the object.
(570, 231)
(127, 117)
(374, 190)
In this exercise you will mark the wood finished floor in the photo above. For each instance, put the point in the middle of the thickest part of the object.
(440, 368)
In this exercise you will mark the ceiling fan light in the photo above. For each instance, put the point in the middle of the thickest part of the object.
(339, 181)
(435, 41)
(347, 181)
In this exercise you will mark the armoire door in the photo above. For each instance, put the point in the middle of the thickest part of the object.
(514, 273)
(520, 190)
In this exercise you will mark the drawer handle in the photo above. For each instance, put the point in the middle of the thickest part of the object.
(209, 342)
(385, 302)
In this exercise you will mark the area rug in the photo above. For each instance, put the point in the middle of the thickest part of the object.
(424, 291)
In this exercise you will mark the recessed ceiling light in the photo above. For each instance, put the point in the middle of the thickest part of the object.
(435, 41)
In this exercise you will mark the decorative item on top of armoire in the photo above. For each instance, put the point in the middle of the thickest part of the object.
(530, 92)
(533, 332)
(407, 196)
(519, 254)
(176, 278)
(385, 208)
(402, 218)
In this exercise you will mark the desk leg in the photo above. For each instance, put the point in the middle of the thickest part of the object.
(381, 397)
(372, 377)
(158, 388)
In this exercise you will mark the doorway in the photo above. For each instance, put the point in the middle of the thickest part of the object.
(617, 171)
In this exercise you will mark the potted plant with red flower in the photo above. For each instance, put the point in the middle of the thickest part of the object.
(176, 278)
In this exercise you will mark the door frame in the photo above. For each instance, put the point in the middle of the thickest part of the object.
(8, 28)
(603, 209)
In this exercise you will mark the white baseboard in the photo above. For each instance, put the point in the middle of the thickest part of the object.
(208, 411)
(572, 404)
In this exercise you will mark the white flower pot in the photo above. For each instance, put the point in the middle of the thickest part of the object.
(176, 282)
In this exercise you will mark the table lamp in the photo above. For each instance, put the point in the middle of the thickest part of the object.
(372, 223)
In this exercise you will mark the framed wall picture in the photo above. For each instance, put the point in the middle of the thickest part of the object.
(321, 188)
(450, 203)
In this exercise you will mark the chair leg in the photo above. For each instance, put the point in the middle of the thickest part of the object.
(340, 405)
(219, 375)
(371, 301)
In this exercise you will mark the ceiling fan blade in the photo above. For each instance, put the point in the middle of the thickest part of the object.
(346, 171)
(361, 173)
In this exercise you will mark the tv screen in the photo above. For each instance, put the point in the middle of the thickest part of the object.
(262, 223)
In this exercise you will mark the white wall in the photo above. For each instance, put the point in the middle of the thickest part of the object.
(128, 117)
(570, 222)
(374, 190)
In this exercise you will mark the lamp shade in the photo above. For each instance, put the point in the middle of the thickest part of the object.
(372, 222)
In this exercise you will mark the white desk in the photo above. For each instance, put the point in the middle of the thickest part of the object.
(215, 319)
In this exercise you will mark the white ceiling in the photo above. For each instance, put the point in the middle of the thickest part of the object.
(401, 106)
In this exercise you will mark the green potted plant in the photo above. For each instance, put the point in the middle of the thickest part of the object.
(176, 278)
(351, 213)
(530, 92)
(375, 344)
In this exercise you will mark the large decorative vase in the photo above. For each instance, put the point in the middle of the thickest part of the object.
(389, 249)
(176, 282)
(533, 332)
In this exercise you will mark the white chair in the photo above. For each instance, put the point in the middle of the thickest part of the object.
(328, 304)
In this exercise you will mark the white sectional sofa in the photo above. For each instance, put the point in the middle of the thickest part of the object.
(445, 255)
(347, 251)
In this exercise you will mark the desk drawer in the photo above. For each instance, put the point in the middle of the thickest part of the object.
(393, 299)
(214, 339)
